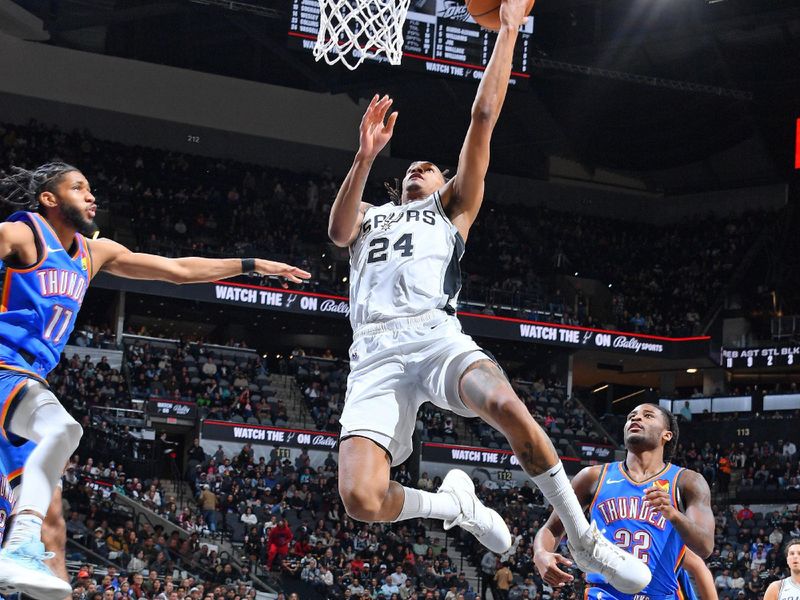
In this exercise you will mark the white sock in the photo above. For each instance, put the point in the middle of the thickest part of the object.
(26, 527)
(556, 487)
(427, 505)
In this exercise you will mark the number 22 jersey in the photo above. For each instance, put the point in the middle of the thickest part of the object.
(621, 514)
(40, 302)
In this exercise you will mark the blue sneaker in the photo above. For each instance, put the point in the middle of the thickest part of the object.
(22, 569)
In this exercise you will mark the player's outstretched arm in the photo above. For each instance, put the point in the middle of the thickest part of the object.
(116, 259)
(549, 535)
(463, 195)
(696, 524)
(703, 578)
(348, 209)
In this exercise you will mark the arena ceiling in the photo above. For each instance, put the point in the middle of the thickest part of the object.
(737, 131)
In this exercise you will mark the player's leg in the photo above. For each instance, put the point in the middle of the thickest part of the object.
(378, 423)
(364, 486)
(33, 413)
(54, 536)
(38, 416)
(484, 389)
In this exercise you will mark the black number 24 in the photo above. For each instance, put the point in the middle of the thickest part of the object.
(378, 248)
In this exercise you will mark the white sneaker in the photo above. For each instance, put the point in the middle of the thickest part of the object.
(23, 570)
(485, 524)
(594, 553)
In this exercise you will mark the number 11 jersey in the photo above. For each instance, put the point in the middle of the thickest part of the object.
(404, 262)
(41, 301)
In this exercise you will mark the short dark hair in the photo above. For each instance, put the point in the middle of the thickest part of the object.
(21, 189)
(672, 425)
(789, 544)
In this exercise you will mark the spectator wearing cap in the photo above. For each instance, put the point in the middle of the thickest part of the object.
(99, 545)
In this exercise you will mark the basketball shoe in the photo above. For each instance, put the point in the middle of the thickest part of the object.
(22, 569)
(485, 524)
(594, 553)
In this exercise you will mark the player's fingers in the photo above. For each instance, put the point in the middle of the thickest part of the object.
(383, 109)
(563, 560)
(301, 273)
(389, 127)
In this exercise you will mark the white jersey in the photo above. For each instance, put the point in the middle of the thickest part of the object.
(789, 590)
(404, 262)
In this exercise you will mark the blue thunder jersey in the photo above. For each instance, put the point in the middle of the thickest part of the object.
(685, 586)
(40, 302)
(619, 510)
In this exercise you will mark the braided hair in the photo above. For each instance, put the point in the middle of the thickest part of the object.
(672, 425)
(22, 187)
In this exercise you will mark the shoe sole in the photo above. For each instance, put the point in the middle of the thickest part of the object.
(10, 584)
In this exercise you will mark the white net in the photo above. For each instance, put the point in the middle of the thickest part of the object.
(353, 30)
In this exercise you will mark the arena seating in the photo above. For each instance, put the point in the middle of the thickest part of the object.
(178, 204)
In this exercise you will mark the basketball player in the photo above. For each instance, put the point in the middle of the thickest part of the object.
(649, 507)
(787, 588)
(408, 346)
(49, 262)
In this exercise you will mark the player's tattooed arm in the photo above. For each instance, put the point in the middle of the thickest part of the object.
(696, 524)
(547, 538)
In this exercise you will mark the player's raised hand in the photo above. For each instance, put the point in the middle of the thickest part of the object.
(376, 130)
(514, 13)
(547, 565)
(269, 267)
(661, 501)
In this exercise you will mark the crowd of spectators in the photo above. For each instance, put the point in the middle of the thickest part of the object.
(127, 558)
(662, 279)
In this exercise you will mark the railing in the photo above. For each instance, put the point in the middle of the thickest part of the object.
(783, 328)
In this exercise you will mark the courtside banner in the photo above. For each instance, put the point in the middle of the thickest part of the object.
(262, 435)
(489, 458)
(507, 328)
(171, 409)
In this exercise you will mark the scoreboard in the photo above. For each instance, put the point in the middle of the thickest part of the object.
(760, 358)
(439, 37)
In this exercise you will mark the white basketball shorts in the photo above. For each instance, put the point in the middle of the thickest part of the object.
(395, 367)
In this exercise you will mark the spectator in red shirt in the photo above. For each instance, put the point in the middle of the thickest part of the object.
(278, 542)
(744, 514)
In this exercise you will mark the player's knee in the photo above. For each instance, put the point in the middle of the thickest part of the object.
(504, 407)
(72, 433)
(361, 502)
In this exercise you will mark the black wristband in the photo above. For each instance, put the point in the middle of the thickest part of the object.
(248, 265)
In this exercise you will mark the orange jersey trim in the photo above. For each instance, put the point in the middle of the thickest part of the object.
(599, 485)
(35, 376)
(681, 554)
(6, 290)
(650, 480)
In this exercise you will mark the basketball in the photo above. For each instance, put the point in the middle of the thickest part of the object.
(487, 12)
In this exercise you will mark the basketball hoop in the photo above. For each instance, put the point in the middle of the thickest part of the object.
(353, 30)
